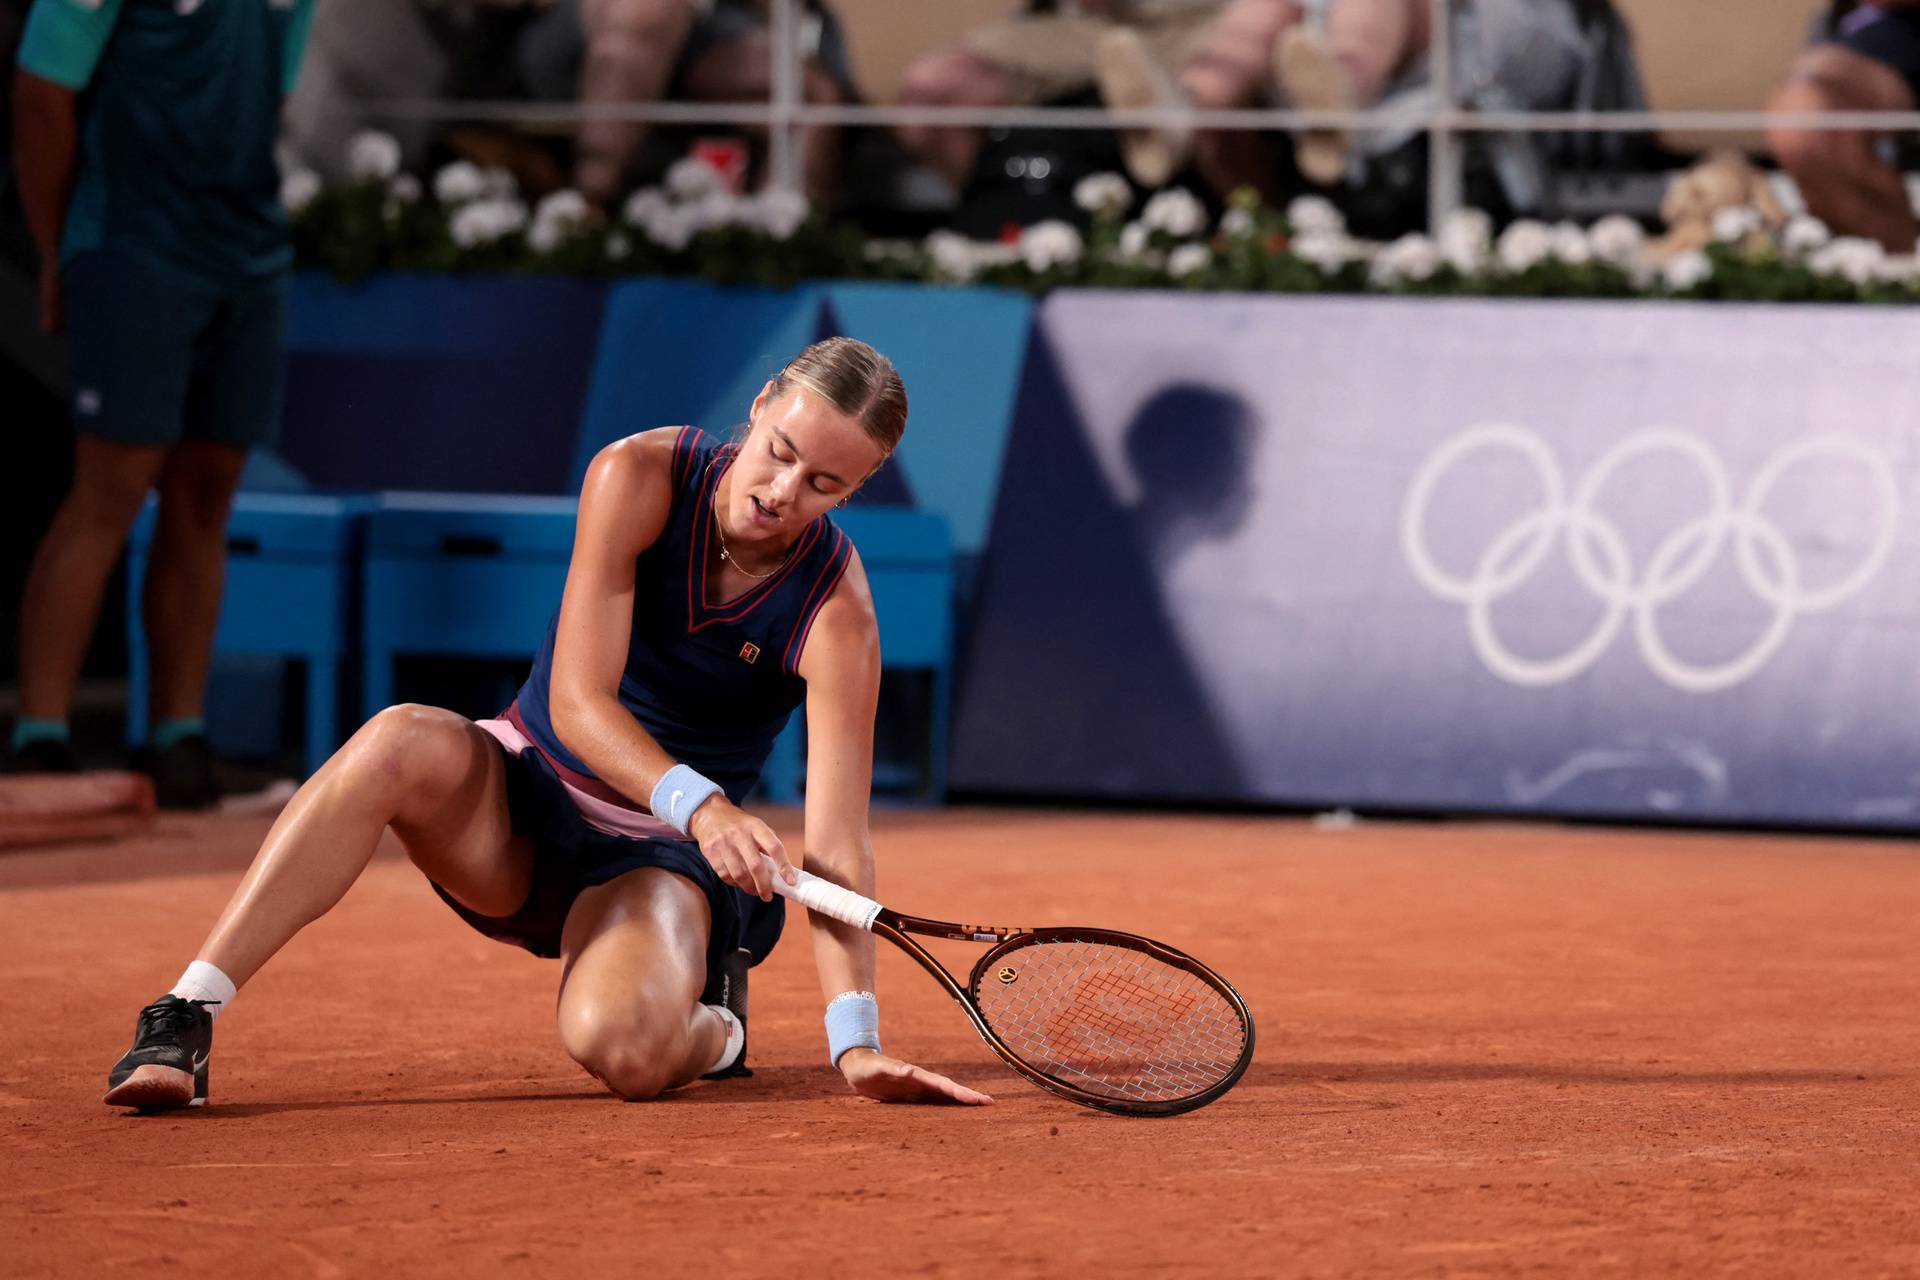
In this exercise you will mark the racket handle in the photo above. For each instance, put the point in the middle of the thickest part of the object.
(826, 898)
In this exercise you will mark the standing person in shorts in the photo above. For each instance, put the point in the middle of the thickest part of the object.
(1868, 59)
(143, 135)
(597, 820)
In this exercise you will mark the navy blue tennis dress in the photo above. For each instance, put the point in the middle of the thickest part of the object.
(713, 681)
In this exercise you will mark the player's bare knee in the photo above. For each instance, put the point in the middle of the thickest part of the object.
(405, 748)
(617, 1049)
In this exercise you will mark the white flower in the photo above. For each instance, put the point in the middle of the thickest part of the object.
(1412, 257)
(1133, 241)
(298, 189)
(1176, 211)
(1736, 222)
(716, 209)
(643, 206)
(1187, 259)
(556, 218)
(1466, 239)
(690, 179)
(1803, 234)
(1904, 269)
(778, 212)
(1328, 253)
(404, 189)
(619, 246)
(568, 208)
(1050, 244)
(1856, 260)
(1237, 222)
(1107, 193)
(1523, 245)
(1314, 216)
(952, 255)
(372, 156)
(459, 182)
(1685, 270)
(1618, 240)
(483, 222)
(1570, 245)
(672, 228)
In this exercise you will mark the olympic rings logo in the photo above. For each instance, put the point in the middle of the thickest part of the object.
(1767, 562)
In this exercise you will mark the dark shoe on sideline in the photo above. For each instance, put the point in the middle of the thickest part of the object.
(44, 755)
(182, 773)
(167, 1066)
(728, 988)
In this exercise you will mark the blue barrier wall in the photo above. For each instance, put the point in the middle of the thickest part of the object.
(1646, 560)
(1637, 560)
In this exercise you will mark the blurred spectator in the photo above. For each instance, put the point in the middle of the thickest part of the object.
(1509, 55)
(143, 137)
(1866, 58)
(1053, 51)
(599, 52)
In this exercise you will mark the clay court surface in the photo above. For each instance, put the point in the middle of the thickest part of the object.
(1483, 1050)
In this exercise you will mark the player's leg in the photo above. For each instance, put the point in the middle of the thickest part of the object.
(1843, 179)
(634, 951)
(435, 778)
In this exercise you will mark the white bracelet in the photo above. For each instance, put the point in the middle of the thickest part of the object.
(853, 1022)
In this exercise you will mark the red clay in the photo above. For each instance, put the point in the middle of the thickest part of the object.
(1484, 1051)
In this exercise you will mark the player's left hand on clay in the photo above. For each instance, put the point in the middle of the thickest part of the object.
(875, 1075)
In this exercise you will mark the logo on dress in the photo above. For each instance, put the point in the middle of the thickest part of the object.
(749, 652)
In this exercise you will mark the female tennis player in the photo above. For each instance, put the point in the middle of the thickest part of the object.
(597, 819)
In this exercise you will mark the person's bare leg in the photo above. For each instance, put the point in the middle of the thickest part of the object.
(433, 776)
(186, 569)
(1375, 40)
(1841, 176)
(635, 962)
(952, 78)
(1231, 70)
(631, 48)
(68, 578)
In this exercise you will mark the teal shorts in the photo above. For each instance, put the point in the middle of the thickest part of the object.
(158, 357)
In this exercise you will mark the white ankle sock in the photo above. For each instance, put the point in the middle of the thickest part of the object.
(203, 981)
(736, 1038)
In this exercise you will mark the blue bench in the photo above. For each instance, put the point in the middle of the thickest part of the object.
(479, 576)
(290, 592)
(473, 575)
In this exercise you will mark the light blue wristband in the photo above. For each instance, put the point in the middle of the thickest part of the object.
(679, 792)
(853, 1022)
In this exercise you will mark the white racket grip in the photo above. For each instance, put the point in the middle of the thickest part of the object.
(826, 898)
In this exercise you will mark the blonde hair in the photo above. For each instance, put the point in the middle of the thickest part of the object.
(855, 379)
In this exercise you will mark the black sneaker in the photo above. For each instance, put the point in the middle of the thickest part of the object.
(728, 989)
(182, 773)
(167, 1066)
(43, 755)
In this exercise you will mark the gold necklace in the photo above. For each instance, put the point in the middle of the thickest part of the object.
(720, 532)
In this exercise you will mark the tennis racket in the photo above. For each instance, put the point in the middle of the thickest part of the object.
(1106, 1019)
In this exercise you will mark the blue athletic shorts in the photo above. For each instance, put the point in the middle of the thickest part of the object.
(570, 856)
(158, 357)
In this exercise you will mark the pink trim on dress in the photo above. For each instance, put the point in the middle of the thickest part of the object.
(600, 814)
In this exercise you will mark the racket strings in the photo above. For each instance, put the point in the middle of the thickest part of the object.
(1111, 1020)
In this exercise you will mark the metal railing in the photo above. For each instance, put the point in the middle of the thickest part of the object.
(1444, 122)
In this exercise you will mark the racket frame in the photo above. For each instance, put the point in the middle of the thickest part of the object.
(897, 928)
